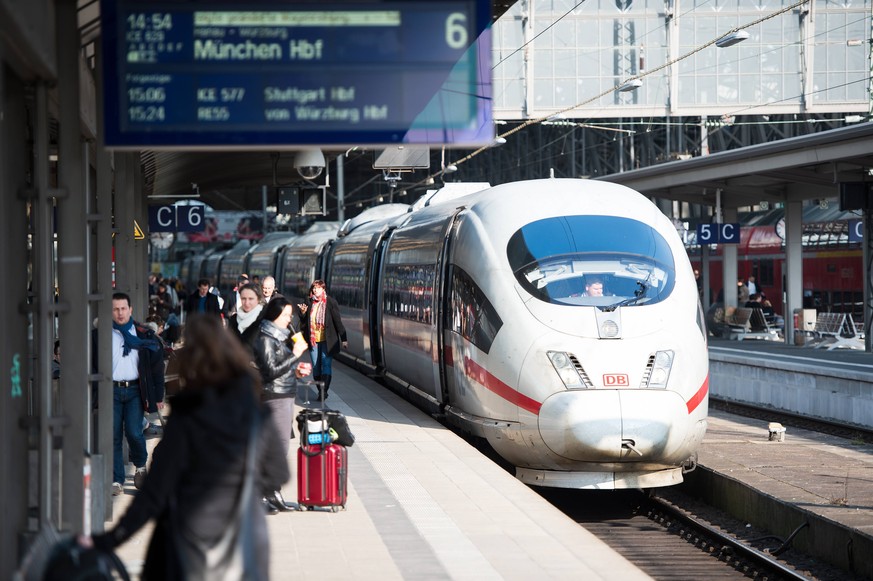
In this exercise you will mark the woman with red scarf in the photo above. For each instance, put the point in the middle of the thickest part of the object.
(323, 327)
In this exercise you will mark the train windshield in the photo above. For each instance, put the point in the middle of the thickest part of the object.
(602, 261)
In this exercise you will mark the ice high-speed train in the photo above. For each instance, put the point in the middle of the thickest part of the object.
(475, 308)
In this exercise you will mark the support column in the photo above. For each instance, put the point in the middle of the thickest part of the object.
(729, 264)
(123, 223)
(704, 277)
(868, 281)
(139, 277)
(44, 312)
(15, 359)
(73, 274)
(100, 481)
(793, 283)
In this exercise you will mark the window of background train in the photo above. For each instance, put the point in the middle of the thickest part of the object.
(470, 313)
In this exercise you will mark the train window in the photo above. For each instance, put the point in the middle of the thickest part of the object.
(592, 261)
(408, 291)
(347, 282)
(297, 275)
(470, 313)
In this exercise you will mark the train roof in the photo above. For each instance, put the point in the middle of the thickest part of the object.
(238, 249)
(273, 240)
(374, 214)
(448, 192)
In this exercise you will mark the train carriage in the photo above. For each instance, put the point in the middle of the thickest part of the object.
(263, 258)
(302, 260)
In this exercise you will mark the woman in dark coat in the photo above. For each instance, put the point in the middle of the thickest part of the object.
(198, 468)
(280, 367)
(324, 330)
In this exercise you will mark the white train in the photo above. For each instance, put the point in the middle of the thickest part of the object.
(481, 308)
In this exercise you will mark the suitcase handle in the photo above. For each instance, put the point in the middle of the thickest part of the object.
(321, 448)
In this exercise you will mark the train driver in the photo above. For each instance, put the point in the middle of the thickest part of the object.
(593, 286)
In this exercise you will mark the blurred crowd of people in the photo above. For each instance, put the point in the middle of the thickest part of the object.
(236, 363)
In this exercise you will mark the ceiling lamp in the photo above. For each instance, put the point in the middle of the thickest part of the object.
(629, 86)
(731, 39)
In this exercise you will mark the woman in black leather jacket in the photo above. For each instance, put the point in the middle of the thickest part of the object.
(280, 368)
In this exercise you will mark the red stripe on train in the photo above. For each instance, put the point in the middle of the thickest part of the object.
(481, 375)
(698, 397)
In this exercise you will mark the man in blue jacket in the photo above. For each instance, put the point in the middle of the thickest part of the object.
(137, 385)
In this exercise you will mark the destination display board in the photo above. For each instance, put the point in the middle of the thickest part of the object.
(203, 75)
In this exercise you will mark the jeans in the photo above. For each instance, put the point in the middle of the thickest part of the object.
(320, 360)
(127, 415)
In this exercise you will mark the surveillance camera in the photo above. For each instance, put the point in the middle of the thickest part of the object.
(309, 163)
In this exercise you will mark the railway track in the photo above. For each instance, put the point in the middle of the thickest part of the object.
(670, 535)
(667, 541)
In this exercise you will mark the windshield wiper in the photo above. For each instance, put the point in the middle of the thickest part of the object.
(640, 293)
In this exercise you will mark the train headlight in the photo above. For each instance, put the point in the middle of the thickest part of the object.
(566, 368)
(609, 329)
(661, 365)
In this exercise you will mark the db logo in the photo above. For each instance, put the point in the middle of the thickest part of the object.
(619, 379)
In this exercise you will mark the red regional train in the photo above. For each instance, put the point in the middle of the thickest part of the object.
(833, 273)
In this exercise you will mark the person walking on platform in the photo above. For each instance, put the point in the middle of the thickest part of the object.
(202, 301)
(218, 454)
(137, 385)
(323, 326)
(280, 368)
(269, 289)
(245, 323)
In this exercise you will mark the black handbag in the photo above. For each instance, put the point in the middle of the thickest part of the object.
(317, 422)
(234, 556)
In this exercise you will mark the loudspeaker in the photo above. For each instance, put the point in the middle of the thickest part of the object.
(854, 195)
(288, 201)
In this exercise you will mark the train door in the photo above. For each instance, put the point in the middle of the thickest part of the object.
(443, 300)
(321, 261)
(373, 314)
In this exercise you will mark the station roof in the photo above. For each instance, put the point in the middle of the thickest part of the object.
(798, 168)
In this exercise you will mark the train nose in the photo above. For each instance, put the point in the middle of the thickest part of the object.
(608, 425)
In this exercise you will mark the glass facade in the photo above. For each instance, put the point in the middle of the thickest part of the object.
(565, 56)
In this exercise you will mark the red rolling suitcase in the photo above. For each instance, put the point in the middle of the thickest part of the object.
(322, 476)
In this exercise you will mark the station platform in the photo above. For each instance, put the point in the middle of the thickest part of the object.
(423, 504)
(808, 477)
(831, 385)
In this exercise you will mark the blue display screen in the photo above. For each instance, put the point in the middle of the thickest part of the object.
(202, 75)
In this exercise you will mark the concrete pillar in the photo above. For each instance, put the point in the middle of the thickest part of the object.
(100, 481)
(868, 281)
(15, 361)
(729, 264)
(793, 265)
(44, 312)
(73, 274)
(123, 223)
(139, 277)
